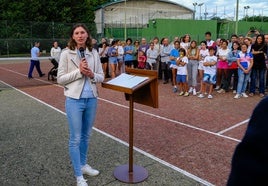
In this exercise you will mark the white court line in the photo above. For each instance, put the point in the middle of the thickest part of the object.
(124, 143)
(234, 126)
(43, 81)
(150, 114)
(220, 134)
(171, 120)
(22, 58)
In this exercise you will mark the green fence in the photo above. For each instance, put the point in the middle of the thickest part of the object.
(17, 37)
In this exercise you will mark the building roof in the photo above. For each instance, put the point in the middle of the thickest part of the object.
(121, 1)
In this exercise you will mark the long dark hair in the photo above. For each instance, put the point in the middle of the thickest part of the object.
(72, 44)
(236, 42)
(183, 38)
(261, 36)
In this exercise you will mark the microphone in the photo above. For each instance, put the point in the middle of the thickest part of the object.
(82, 52)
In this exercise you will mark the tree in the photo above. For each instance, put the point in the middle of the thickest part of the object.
(39, 12)
(255, 18)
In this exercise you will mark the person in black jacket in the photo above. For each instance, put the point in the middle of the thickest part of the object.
(258, 49)
(250, 159)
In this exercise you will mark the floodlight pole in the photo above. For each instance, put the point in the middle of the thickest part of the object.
(236, 17)
(200, 4)
(125, 30)
(194, 4)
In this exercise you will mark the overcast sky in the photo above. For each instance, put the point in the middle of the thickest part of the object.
(226, 8)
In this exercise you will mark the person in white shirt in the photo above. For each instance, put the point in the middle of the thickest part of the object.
(165, 50)
(222, 67)
(185, 43)
(181, 78)
(55, 51)
(210, 68)
(103, 52)
(152, 55)
(120, 57)
(202, 54)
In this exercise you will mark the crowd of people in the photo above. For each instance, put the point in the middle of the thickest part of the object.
(238, 64)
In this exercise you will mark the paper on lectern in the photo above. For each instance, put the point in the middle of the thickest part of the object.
(127, 80)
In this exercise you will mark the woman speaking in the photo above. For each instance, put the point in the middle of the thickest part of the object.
(79, 70)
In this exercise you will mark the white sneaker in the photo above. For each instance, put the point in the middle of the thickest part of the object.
(190, 90)
(244, 95)
(210, 96)
(81, 182)
(201, 95)
(237, 96)
(194, 92)
(221, 91)
(217, 88)
(234, 91)
(89, 170)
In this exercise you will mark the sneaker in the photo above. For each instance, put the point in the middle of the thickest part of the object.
(190, 90)
(244, 95)
(234, 91)
(237, 96)
(194, 92)
(175, 89)
(186, 94)
(41, 75)
(82, 182)
(86, 169)
(221, 91)
(217, 87)
(210, 96)
(251, 94)
(181, 93)
(201, 95)
(261, 95)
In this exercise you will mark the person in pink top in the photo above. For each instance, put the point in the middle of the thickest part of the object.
(222, 67)
(141, 60)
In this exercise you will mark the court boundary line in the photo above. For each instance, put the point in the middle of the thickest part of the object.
(173, 121)
(219, 134)
(234, 126)
(192, 176)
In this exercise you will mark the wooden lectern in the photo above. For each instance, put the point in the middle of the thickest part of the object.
(144, 90)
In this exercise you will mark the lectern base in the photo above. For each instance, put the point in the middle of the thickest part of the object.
(122, 173)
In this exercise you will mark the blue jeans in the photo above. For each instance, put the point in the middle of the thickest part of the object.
(242, 81)
(257, 73)
(81, 116)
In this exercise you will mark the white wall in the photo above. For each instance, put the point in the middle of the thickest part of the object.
(138, 13)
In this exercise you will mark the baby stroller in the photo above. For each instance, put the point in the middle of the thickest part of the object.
(52, 74)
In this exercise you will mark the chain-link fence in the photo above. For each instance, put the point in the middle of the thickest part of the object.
(19, 37)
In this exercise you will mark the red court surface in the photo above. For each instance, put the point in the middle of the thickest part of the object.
(196, 135)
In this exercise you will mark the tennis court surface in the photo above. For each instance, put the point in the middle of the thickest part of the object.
(186, 141)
